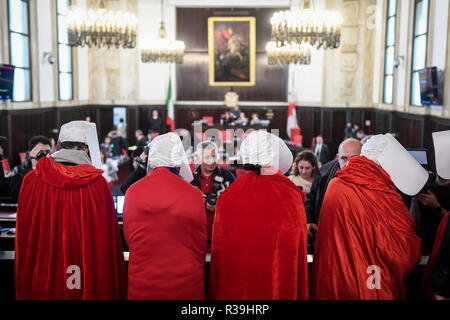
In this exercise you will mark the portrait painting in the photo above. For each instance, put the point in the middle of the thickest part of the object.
(231, 48)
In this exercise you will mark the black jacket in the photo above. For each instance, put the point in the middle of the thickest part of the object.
(319, 186)
(16, 182)
(134, 176)
(155, 124)
(228, 178)
(324, 154)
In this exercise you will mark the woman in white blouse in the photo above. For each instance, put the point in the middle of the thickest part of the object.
(110, 168)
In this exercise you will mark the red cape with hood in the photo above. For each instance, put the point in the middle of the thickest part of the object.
(66, 217)
(427, 292)
(363, 222)
(259, 241)
(165, 228)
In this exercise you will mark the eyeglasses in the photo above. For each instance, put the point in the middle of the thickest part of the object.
(345, 159)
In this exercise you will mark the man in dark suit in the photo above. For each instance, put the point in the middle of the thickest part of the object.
(155, 122)
(321, 150)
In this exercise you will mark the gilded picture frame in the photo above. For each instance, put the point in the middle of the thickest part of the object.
(232, 51)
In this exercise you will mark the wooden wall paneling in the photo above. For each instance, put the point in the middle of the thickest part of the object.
(413, 131)
(25, 124)
(327, 125)
(143, 115)
(307, 125)
(67, 114)
(105, 122)
(317, 121)
(338, 131)
(410, 130)
(132, 124)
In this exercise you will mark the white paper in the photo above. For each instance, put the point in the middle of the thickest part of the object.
(94, 149)
(406, 173)
(441, 142)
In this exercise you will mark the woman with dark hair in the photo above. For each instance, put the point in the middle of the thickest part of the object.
(304, 170)
(109, 167)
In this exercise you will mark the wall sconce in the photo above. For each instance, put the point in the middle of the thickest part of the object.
(397, 61)
(48, 57)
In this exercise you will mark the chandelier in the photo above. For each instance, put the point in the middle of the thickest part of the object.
(319, 28)
(101, 28)
(163, 50)
(290, 53)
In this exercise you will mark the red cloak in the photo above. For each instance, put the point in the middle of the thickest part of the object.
(427, 292)
(259, 241)
(66, 217)
(363, 222)
(165, 228)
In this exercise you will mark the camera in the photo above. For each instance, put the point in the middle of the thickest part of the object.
(211, 198)
(41, 154)
(218, 188)
(139, 160)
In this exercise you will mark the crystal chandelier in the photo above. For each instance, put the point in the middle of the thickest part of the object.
(163, 50)
(101, 28)
(320, 28)
(290, 53)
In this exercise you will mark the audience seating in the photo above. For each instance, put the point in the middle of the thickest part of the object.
(298, 140)
(6, 167)
(226, 135)
(209, 120)
(240, 172)
(22, 157)
(294, 132)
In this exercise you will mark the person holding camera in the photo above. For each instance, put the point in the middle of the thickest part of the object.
(139, 172)
(211, 180)
(38, 147)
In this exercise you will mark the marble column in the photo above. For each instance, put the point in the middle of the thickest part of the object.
(113, 73)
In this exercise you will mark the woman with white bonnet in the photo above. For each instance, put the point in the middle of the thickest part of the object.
(165, 227)
(366, 243)
(259, 233)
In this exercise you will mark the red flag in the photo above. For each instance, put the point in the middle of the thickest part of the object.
(292, 117)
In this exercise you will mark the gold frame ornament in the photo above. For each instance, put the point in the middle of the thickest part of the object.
(232, 51)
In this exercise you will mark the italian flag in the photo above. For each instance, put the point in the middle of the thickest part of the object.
(169, 107)
(292, 116)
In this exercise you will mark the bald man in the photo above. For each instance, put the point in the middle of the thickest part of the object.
(347, 149)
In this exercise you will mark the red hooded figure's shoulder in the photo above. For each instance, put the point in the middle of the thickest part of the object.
(65, 176)
(65, 218)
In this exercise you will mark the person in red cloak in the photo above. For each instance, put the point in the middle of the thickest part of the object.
(436, 278)
(165, 228)
(259, 239)
(366, 244)
(68, 243)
